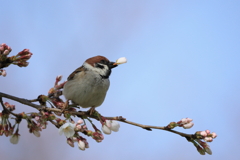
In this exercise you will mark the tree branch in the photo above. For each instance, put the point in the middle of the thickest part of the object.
(81, 114)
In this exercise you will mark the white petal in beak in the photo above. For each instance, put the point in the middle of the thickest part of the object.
(120, 61)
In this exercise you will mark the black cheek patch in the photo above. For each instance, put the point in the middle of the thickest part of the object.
(99, 66)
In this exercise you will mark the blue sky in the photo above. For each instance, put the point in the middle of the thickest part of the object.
(183, 61)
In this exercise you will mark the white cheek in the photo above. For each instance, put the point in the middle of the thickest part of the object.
(101, 71)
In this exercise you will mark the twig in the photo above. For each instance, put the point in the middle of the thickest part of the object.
(1, 101)
(20, 100)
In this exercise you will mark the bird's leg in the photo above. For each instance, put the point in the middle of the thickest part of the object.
(92, 110)
(65, 105)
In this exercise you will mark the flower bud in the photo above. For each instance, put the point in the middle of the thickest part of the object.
(59, 78)
(80, 121)
(208, 139)
(214, 135)
(106, 130)
(81, 145)
(203, 133)
(188, 125)
(36, 133)
(189, 120)
(78, 127)
(6, 52)
(115, 126)
(172, 125)
(183, 121)
(208, 150)
(3, 72)
(15, 138)
(108, 123)
(70, 142)
(200, 150)
(207, 131)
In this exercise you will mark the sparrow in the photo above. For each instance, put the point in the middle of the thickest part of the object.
(87, 86)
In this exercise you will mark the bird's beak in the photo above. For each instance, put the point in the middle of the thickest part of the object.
(112, 65)
(118, 61)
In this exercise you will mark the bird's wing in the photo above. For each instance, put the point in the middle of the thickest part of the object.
(71, 76)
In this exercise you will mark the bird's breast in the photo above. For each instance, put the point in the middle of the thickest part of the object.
(87, 91)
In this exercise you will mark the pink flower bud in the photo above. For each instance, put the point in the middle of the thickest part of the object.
(22, 64)
(208, 139)
(23, 52)
(37, 118)
(188, 125)
(6, 52)
(70, 142)
(78, 127)
(203, 133)
(189, 120)
(183, 121)
(207, 131)
(26, 57)
(59, 78)
(214, 135)
(3, 72)
(80, 121)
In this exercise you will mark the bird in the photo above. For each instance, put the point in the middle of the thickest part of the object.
(87, 86)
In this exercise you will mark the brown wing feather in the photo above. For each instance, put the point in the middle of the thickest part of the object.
(71, 76)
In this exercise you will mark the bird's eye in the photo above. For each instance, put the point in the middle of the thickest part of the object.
(99, 66)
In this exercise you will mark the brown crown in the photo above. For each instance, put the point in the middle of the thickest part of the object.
(95, 59)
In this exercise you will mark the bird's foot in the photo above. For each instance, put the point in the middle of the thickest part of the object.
(92, 111)
(65, 105)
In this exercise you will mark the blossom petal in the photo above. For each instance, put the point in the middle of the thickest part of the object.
(121, 60)
(115, 126)
(108, 123)
(106, 130)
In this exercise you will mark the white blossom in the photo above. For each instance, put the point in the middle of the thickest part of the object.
(67, 129)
